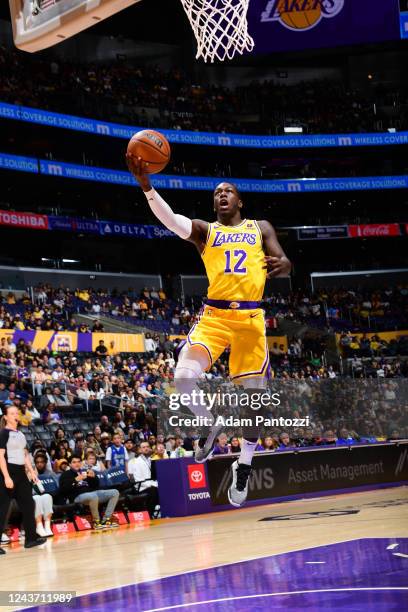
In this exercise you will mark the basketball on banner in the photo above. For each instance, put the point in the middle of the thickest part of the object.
(301, 14)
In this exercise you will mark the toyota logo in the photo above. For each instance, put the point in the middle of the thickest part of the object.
(196, 476)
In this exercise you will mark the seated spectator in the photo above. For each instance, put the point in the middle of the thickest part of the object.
(118, 423)
(43, 501)
(76, 435)
(40, 464)
(189, 441)
(285, 442)
(307, 439)
(92, 462)
(98, 327)
(141, 470)
(60, 465)
(116, 455)
(50, 415)
(178, 450)
(47, 398)
(235, 445)
(170, 444)
(59, 398)
(129, 445)
(38, 446)
(82, 487)
(329, 438)
(61, 451)
(101, 349)
(59, 436)
(345, 437)
(268, 444)
(150, 344)
(39, 378)
(105, 443)
(24, 415)
(160, 452)
(32, 409)
(395, 435)
(80, 447)
(92, 443)
(221, 446)
(105, 425)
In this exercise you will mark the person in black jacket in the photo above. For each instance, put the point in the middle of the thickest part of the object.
(81, 486)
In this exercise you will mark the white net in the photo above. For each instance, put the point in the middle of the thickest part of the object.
(220, 27)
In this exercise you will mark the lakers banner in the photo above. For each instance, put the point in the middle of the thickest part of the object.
(288, 25)
(77, 342)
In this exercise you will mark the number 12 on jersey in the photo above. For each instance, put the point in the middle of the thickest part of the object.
(236, 258)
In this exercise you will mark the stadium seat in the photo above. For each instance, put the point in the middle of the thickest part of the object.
(62, 510)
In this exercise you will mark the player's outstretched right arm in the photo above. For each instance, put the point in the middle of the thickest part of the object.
(195, 231)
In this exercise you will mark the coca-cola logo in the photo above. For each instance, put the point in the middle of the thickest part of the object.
(374, 230)
(379, 230)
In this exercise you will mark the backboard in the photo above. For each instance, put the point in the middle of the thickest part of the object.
(38, 24)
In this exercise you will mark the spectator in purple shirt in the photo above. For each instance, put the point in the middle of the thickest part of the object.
(221, 447)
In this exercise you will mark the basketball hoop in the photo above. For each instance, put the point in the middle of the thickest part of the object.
(220, 27)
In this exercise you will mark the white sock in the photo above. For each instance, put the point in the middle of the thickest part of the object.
(40, 530)
(247, 452)
(47, 527)
(191, 365)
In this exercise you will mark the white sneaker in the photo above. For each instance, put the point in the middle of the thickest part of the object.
(40, 530)
(5, 539)
(47, 528)
(238, 491)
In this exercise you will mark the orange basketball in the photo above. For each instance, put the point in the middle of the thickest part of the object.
(152, 147)
(301, 20)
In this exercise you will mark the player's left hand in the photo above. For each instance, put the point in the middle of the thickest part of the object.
(276, 266)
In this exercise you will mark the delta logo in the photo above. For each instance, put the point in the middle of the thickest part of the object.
(196, 476)
(301, 15)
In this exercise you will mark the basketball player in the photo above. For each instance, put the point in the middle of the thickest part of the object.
(238, 254)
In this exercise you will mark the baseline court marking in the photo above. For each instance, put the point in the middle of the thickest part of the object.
(240, 597)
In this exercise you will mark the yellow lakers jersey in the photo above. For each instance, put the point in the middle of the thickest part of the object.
(234, 261)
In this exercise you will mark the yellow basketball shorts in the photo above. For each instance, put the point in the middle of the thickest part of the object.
(243, 331)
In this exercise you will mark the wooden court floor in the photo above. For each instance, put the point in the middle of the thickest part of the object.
(88, 562)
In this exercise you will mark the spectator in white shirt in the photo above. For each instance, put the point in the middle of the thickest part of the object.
(150, 344)
(141, 470)
(58, 374)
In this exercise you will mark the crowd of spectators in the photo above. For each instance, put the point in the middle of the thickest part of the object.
(337, 309)
(124, 91)
(344, 309)
(131, 388)
(53, 309)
